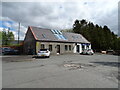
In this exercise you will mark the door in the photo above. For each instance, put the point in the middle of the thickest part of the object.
(83, 47)
(78, 48)
(58, 49)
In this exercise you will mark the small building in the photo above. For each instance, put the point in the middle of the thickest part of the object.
(56, 41)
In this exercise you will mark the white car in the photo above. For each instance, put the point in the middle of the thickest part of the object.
(43, 53)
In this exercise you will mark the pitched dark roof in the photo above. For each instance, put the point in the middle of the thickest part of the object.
(47, 35)
(73, 37)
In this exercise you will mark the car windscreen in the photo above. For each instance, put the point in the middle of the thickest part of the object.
(43, 49)
(7, 49)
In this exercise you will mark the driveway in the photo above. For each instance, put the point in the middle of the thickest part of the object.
(62, 71)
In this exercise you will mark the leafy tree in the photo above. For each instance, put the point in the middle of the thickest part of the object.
(7, 37)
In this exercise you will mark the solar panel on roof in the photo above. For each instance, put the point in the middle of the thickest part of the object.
(44, 35)
(58, 34)
(62, 37)
(53, 31)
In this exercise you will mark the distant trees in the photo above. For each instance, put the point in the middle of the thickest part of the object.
(7, 37)
(67, 30)
(101, 38)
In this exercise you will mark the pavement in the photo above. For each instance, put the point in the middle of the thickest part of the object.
(60, 71)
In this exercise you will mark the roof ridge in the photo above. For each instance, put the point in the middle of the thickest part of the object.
(72, 33)
(39, 27)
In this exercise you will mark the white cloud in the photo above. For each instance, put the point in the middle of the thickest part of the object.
(14, 26)
(7, 24)
(1, 29)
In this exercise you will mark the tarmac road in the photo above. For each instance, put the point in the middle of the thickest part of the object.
(63, 71)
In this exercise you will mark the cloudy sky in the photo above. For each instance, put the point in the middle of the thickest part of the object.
(58, 15)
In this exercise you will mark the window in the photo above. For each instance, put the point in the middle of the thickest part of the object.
(42, 46)
(44, 36)
(70, 47)
(66, 47)
(50, 47)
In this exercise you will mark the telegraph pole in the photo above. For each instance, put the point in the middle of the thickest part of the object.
(18, 32)
(8, 35)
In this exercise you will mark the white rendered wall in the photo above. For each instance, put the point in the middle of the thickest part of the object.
(85, 47)
(74, 48)
(90, 46)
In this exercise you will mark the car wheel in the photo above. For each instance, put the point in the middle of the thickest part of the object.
(91, 54)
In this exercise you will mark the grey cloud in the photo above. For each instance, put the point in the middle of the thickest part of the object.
(119, 18)
(111, 20)
(60, 15)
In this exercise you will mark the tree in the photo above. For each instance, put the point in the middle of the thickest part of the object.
(76, 26)
(7, 37)
(101, 38)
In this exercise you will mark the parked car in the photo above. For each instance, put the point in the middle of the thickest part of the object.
(110, 52)
(0, 51)
(8, 51)
(43, 53)
(87, 52)
(116, 52)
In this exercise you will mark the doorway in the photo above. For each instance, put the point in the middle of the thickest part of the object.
(78, 48)
(83, 47)
(58, 49)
